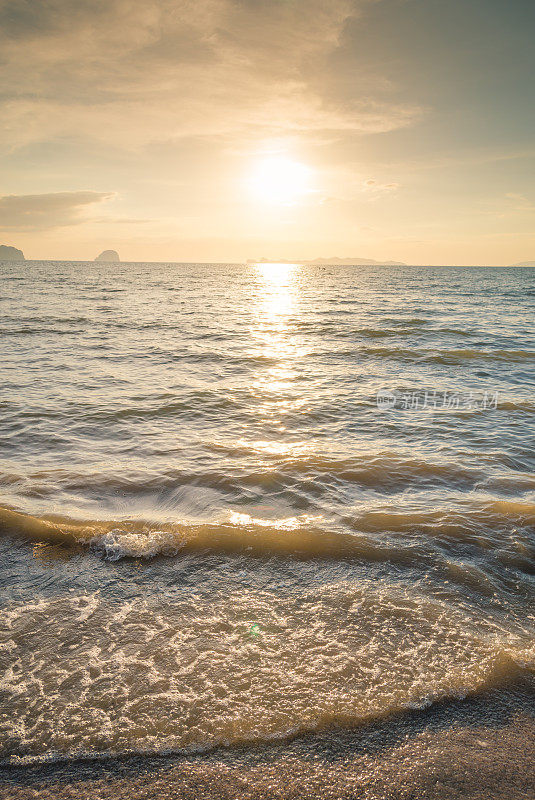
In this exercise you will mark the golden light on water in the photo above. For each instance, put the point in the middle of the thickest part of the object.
(278, 291)
(277, 296)
(277, 300)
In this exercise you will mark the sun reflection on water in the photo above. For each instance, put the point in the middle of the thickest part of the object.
(277, 299)
(278, 291)
(279, 350)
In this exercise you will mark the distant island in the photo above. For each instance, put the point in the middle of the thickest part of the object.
(108, 255)
(362, 262)
(525, 264)
(349, 262)
(8, 253)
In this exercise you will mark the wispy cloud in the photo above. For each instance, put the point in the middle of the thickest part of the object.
(141, 71)
(41, 212)
(520, 202)
(378, 187)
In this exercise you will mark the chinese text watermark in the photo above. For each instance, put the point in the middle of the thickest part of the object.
(388, 400)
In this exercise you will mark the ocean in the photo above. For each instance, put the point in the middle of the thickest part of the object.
(245, 502)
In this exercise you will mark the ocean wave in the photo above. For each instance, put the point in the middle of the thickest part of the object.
(447, 356)
(408, 330)
(293, 536)
(258, 464)
(404, 537)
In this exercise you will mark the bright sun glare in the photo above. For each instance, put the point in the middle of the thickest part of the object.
(280, 180)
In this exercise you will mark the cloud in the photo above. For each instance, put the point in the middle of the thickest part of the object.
(139, 71)
(371, 185)
(520, 202)
(41, 212)
(120, 221)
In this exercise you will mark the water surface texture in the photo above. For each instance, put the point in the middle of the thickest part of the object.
(212, 534)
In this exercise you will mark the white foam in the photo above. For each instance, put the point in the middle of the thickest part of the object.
(93, 676)
(117, 544)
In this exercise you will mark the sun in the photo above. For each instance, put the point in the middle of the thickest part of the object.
(280, 180)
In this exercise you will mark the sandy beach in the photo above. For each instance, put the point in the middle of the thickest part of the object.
(481, 748)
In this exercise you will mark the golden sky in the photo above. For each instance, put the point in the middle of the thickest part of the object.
(224, 130)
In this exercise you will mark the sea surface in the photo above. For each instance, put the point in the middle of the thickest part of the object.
(242, 502)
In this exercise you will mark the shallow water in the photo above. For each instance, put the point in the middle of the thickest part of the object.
(219, 536)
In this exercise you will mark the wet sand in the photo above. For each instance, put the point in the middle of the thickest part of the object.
(475, 749)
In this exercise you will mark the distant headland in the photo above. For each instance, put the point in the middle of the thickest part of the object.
(349, 262)
(8, 253)
(108, 255)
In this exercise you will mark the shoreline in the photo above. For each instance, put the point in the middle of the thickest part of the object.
(479, 748)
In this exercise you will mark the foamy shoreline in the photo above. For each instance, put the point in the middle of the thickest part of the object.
(483, 747)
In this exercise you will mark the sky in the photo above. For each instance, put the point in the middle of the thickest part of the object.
(227, 130)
